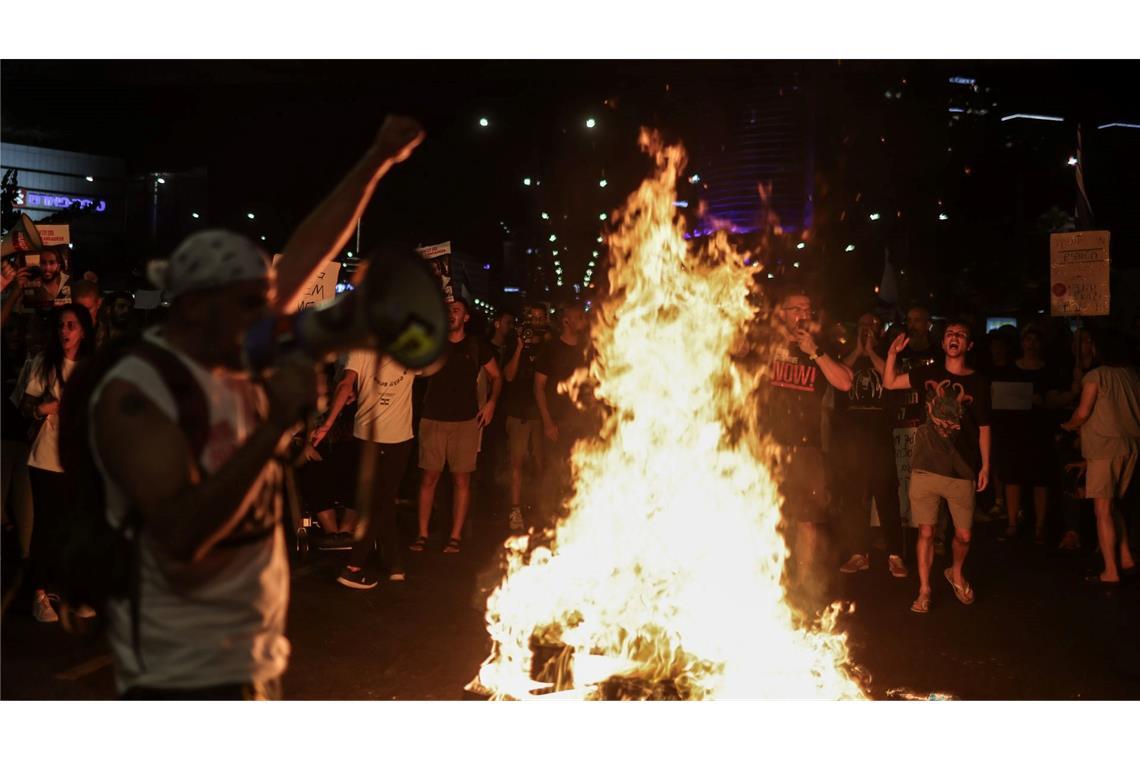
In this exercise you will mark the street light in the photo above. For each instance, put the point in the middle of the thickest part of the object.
(602, 183)
(552, 238)
(1072, 160)
(483, 122)
(942, 217)
(545, 215)
(526, 181)
(800, 246)
(874, 217)
(161, 181)
(850, 247)
(89, 179)
(602, 217)
(195, 215)
(590, 123)
(250, 215)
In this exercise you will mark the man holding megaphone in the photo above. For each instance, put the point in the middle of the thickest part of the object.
(206, 494)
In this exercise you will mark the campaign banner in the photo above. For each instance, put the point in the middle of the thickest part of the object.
(439, 256)
(54, 234)
(1078, 274)
(319, 287)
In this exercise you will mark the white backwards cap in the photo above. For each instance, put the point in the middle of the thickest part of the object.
(210, 259)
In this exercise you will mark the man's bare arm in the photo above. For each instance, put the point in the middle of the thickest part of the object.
(329, 227)
(511, 371)
(344, 390)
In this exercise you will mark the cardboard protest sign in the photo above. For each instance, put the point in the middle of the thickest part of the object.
(319, 287)
(439, 256)
(54, 234)
(1078, 273)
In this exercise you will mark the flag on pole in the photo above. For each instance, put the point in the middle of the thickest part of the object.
(1083, 211)
(888, 285)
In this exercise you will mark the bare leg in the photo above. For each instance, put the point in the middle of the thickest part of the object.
(461, 501)
(427, 495)
(961, 548)
(1106, 534)
(1040, 509)
(924, 555)
(1012, 506)
(1126, 560)
(348, 524)
(327, 519)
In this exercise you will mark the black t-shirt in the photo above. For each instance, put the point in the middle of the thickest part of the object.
(866, 400)
(558, 360)
(908, 404)
(451, 392)
(954, 407)
(791, 411)
(518, 394)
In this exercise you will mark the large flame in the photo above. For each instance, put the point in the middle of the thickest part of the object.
(666, 571)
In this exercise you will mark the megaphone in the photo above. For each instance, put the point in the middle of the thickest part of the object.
(397, 310)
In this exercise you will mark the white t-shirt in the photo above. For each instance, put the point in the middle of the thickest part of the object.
(45, 449)
(223, 621)
(383, 398)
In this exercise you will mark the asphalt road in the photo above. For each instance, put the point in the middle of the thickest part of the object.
(1036, 631)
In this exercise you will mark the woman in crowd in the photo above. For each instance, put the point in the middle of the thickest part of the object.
(1108, 418)
(72, 339)
(1028, 454)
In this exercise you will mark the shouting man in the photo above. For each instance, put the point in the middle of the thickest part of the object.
(951, 456)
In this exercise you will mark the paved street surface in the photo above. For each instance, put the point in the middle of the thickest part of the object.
(1036, 631)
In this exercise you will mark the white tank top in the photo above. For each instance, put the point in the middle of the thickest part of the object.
(225, 623)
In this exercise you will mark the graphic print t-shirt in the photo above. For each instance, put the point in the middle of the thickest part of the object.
(866, 400)
(795, 395)
(954, 408)
(383, 398)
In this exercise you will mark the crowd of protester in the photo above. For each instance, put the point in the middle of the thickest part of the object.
(897, 433)
(933, 426)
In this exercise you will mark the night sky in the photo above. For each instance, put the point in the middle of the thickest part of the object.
(276, 135)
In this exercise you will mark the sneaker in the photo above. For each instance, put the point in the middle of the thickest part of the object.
(397, 575)
(855, 564)
(516, 519)
(359, 579)
(896, 566)
(42, 609)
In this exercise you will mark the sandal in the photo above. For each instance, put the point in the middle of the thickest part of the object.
(1095, 580)
(419, 544)
(964, 593)
(452, 546)
(921, 604)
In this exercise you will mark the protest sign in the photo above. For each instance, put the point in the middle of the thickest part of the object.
(319, 287)
(1078, 273)
(439, 256)
(54, 234)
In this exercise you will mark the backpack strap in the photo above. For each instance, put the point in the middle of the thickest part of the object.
(193, 406)
(194, 421)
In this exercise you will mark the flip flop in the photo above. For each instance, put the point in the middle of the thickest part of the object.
(921, 604)
(419, 544)
(964, 593)
(1095, 580)
(452, 546)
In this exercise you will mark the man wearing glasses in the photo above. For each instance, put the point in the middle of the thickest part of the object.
(799, 375)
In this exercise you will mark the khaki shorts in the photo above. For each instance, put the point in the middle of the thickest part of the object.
(523, 437)
(927, 491)
(455, 444)
(1109, 478)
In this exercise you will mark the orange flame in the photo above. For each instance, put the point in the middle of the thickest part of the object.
(666, 571)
